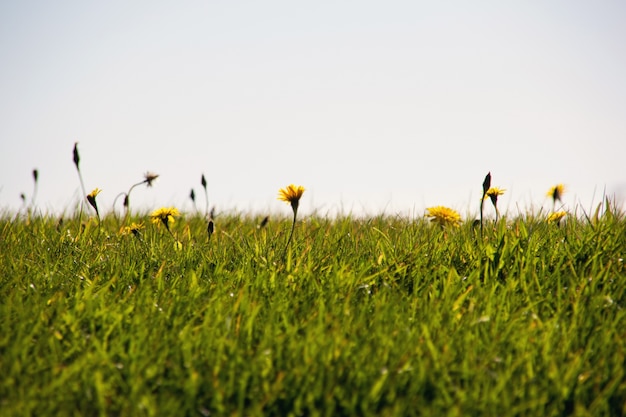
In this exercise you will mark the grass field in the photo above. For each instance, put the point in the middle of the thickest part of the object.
(361, 316)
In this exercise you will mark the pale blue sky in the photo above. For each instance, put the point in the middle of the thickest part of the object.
(373, 106)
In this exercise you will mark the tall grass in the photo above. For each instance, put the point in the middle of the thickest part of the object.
(377, 316)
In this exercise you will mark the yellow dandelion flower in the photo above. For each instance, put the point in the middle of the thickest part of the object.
(91, 198)
(556, 216)
(443, 215)
(164, 215)
(494, 192)
(94, 193)
(134, 228)
(291, 194)
(556, 192)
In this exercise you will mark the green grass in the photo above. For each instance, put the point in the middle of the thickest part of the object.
(377, 316)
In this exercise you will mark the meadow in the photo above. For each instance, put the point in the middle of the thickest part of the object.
(383, 315)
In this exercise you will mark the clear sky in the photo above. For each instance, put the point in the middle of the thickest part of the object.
(373, 106)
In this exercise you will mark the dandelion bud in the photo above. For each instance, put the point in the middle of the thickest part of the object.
(76, 156)
(487, 183)
(210, 228)
(264, 222)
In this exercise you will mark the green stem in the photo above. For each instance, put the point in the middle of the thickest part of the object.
(482, 201)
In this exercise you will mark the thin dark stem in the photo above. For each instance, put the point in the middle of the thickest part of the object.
(482, 201)
(127, 198)
(167, 226)
(99, 222)
(293, 226)
(171, 233)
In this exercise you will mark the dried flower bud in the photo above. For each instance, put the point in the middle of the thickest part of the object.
(487, 183)
(76, 156)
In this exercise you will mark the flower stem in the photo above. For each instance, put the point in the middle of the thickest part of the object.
(482, 201)
(127, 198)
(293, 226)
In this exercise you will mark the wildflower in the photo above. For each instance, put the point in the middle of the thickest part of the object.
(192, 195)
(165, 216)
(149, 178)
(443, 215)
(556, 192)
(134, 228)
(556, 217)
(291, 194)
(493, 194)
(91, 198)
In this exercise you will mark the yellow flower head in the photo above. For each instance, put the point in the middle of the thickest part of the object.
(494, 192)
(164, 215)
(556, 192)
(556, 217)
(134, 228)
(291, 194)
(94, 193)
(91, 198)
(443, 215)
